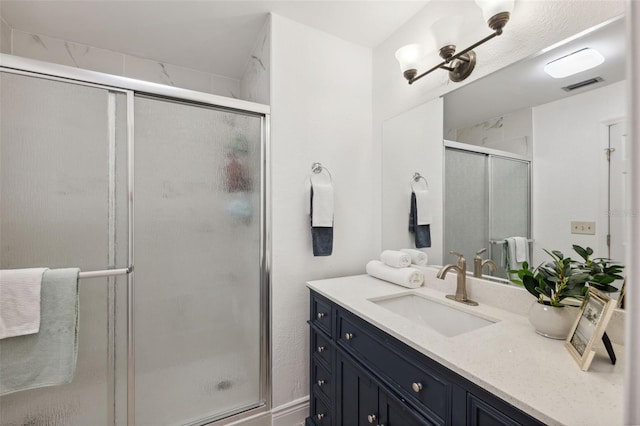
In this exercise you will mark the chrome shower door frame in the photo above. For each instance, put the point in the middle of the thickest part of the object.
(131, 88)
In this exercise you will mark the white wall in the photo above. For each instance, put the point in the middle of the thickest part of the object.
(321, 111)
(570, 168)
(412, 143)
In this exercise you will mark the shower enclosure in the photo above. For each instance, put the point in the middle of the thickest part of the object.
(487, 199)
(106, 173)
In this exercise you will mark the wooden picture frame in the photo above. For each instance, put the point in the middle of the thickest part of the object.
(620, 304)
(589, 327)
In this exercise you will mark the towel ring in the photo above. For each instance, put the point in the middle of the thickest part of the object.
(416, 178)
(318, 168)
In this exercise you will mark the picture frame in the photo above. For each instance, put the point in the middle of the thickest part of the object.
(620, 304)
(589, 326)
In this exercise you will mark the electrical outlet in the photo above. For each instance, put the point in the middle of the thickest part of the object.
(586, 228)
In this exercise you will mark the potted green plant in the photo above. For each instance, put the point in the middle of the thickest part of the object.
(563, 281)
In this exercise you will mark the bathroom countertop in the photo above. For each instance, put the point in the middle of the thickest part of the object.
(534, 373)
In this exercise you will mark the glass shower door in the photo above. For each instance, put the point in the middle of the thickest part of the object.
(510, 206)
(63, 194)
(487, 199)
(198, 258)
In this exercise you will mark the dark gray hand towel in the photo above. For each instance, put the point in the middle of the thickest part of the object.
(321, 236)
(422, 233)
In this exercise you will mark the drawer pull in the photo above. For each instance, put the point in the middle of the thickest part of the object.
(320, 382)
(371, 418)
(348, 336)
(416, 386)
(319, 416)
(321, 315)
(321, 349)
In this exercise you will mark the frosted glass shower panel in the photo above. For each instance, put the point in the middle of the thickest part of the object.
(510, 204)
(64, 204)
(466, 204)
(197, 255)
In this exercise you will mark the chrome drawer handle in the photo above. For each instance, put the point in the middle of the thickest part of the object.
(321, 348)
(348, 336)
(321, 315)
(416, 386)
(319, 416)
(371, 418)
(320, 382)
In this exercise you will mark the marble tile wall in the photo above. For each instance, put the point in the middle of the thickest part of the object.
(49, 49)
(511, 132)
(254, 85)
(5, 37)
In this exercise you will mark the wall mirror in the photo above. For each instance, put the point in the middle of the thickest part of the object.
(538, 157)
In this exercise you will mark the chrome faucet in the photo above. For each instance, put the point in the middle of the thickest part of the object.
(461, 286)
(479, 264)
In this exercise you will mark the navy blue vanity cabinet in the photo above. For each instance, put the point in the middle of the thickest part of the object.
(360, 375)
(361, 400)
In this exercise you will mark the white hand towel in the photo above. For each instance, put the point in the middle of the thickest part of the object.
(522, 248)
(20, 301)
(422, 206)
(322, 205)
(406, 277)
(417, 257)
(395, 258)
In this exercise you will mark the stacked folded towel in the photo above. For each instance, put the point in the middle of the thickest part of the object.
(395, 258)
(418, 257)
(394, 266)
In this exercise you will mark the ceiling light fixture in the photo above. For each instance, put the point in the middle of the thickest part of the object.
(573, 63)
(461, 64)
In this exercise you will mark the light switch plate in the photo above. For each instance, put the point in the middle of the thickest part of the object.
(586, 228)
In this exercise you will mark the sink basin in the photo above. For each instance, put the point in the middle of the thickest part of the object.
(439, 317)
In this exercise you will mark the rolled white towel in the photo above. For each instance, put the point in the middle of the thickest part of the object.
(417, 257)
(395, 258)
(406, 277)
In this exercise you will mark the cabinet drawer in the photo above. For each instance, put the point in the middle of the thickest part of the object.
(406, 373)
(321, 347)
(321, 380)
(321, 314)
(320, 412)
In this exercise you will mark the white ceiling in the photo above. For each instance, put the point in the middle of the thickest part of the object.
(213, 36)
(525, 84)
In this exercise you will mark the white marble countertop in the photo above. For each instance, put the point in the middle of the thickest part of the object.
(531, 372)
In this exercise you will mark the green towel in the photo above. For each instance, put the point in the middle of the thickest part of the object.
(47, 358)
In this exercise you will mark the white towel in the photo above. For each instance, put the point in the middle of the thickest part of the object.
(521, 248)
(417, 257)
(20, 301)
(322, 205)
(406, 277)
(395, 258)
(512, 258)
(422, 206)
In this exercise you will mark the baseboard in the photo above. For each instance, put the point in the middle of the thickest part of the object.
(292, 413)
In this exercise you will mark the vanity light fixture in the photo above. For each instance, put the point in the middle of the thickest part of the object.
(573, 63)
(461, 64)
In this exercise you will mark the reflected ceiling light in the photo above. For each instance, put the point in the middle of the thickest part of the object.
(445, 31)
(573, 63)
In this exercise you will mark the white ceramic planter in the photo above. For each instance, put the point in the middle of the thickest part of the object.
(552, 321)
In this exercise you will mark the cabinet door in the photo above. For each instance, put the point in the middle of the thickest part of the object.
(357, 396)
(481, 413)
(394, 413)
